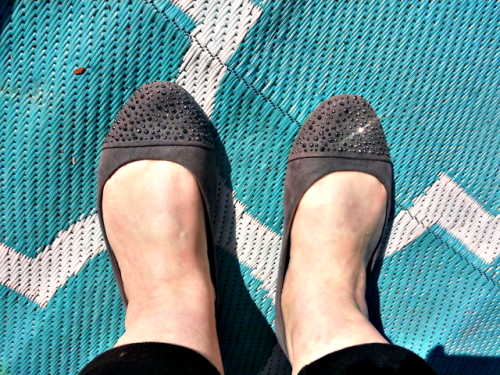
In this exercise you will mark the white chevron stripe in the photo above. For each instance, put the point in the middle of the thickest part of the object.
(39, 278)
(221, 27)
(253, 243)
(221, 24)
(202, 87)
(448, 205)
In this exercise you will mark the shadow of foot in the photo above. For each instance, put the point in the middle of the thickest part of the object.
(245, 336)
(450, 364)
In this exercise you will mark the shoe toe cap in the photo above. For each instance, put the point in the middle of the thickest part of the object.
(160, 112)
(341, 124)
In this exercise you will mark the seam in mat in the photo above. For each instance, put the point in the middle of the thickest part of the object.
(229, 69)
(286, 114)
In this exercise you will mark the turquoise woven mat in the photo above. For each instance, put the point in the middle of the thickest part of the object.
(258, 68)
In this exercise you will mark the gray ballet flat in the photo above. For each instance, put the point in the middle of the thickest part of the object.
(161, 121)
(342, 134)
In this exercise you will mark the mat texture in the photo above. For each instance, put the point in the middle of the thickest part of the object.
(431, 70)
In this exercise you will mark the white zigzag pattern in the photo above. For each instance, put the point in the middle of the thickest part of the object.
(449, 206)
(39, 278)
(221, 27)
(255, 245)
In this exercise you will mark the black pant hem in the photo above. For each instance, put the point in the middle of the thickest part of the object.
(152, 358)
(372, 359)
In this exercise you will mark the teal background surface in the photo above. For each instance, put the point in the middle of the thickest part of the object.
(431, 70)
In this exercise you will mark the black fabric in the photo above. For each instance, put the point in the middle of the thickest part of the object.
(150, 358)
(153, 358)
(370, 359)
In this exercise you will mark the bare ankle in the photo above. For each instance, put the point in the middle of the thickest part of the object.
(161, 248)
(171, 300)
(334, 233)
(181, 318)
(316, 340)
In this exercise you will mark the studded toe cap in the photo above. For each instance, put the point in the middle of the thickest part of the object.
(344, 125)
(160, 113)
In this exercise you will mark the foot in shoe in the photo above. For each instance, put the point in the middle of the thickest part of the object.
(336, 228)
(155, 223)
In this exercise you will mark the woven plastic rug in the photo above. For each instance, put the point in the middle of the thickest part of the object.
(431, 70)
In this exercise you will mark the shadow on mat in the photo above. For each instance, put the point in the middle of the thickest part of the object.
(437, 358)
(462, 364)
(245, 337)
(5, 13)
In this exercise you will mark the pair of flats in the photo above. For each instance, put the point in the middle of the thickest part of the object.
(161, 121)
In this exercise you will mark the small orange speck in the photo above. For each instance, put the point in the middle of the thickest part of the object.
(73, 161)
(78, 71)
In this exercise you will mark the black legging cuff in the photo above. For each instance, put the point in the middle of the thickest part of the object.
(370, 359)
(150, 358)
